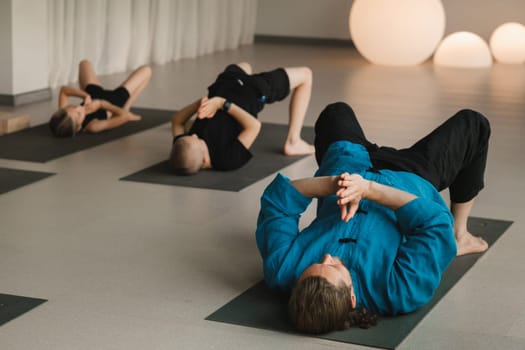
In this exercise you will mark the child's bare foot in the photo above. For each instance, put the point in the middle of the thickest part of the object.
(298, 148)
(469, 244)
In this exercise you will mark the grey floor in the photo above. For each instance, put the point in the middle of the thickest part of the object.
(138, 266)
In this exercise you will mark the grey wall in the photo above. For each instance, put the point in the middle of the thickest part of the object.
(329, 18)
(6, 59)
(482, 16)
(23, 42)
(303, 18)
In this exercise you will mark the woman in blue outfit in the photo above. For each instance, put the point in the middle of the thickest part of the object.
(100, 109)
(383, 235)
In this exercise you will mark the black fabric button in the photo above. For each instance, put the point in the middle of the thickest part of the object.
(347, 240)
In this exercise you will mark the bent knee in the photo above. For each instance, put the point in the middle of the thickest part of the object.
(85, 62)
(475, 118)
(306, 74)
(246, 67)
(146, 69)
(333, 113)
(338, 108)
(299, 76)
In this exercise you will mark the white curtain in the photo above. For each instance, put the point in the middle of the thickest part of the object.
(120, 35)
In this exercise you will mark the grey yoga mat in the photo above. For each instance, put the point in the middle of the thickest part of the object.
(37, 144)
(267, 159)
(259, 307)
(11, 179)
(12, 306)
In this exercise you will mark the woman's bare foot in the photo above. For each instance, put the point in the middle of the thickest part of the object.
(469, 244)
(298, 148)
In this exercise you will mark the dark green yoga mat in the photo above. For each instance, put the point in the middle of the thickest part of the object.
(11, 179)
(267, 159)
(259, 307)
(37, 144)
(12, 306)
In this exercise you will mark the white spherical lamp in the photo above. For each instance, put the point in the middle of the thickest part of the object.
(397, 33)
(508, 43)
(463, 50)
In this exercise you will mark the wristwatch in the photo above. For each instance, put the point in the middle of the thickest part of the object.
(226, 106)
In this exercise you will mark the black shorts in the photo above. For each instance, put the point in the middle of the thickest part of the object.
(274, 85)
(118, 97)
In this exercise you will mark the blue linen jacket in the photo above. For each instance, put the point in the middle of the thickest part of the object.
(396, 258)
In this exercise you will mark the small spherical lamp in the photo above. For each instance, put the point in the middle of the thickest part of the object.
(463, 50)
(396, 33)
(508, 43)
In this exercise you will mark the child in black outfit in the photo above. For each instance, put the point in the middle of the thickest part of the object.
(226, 125)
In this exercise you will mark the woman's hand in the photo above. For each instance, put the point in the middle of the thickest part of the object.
(209, 106)
(91, 106)
(352, 188)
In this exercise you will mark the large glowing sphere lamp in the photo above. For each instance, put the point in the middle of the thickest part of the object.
(508, 43)
(397, 32)
(463, 50)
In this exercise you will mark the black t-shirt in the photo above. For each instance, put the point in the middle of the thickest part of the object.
(220, 134)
